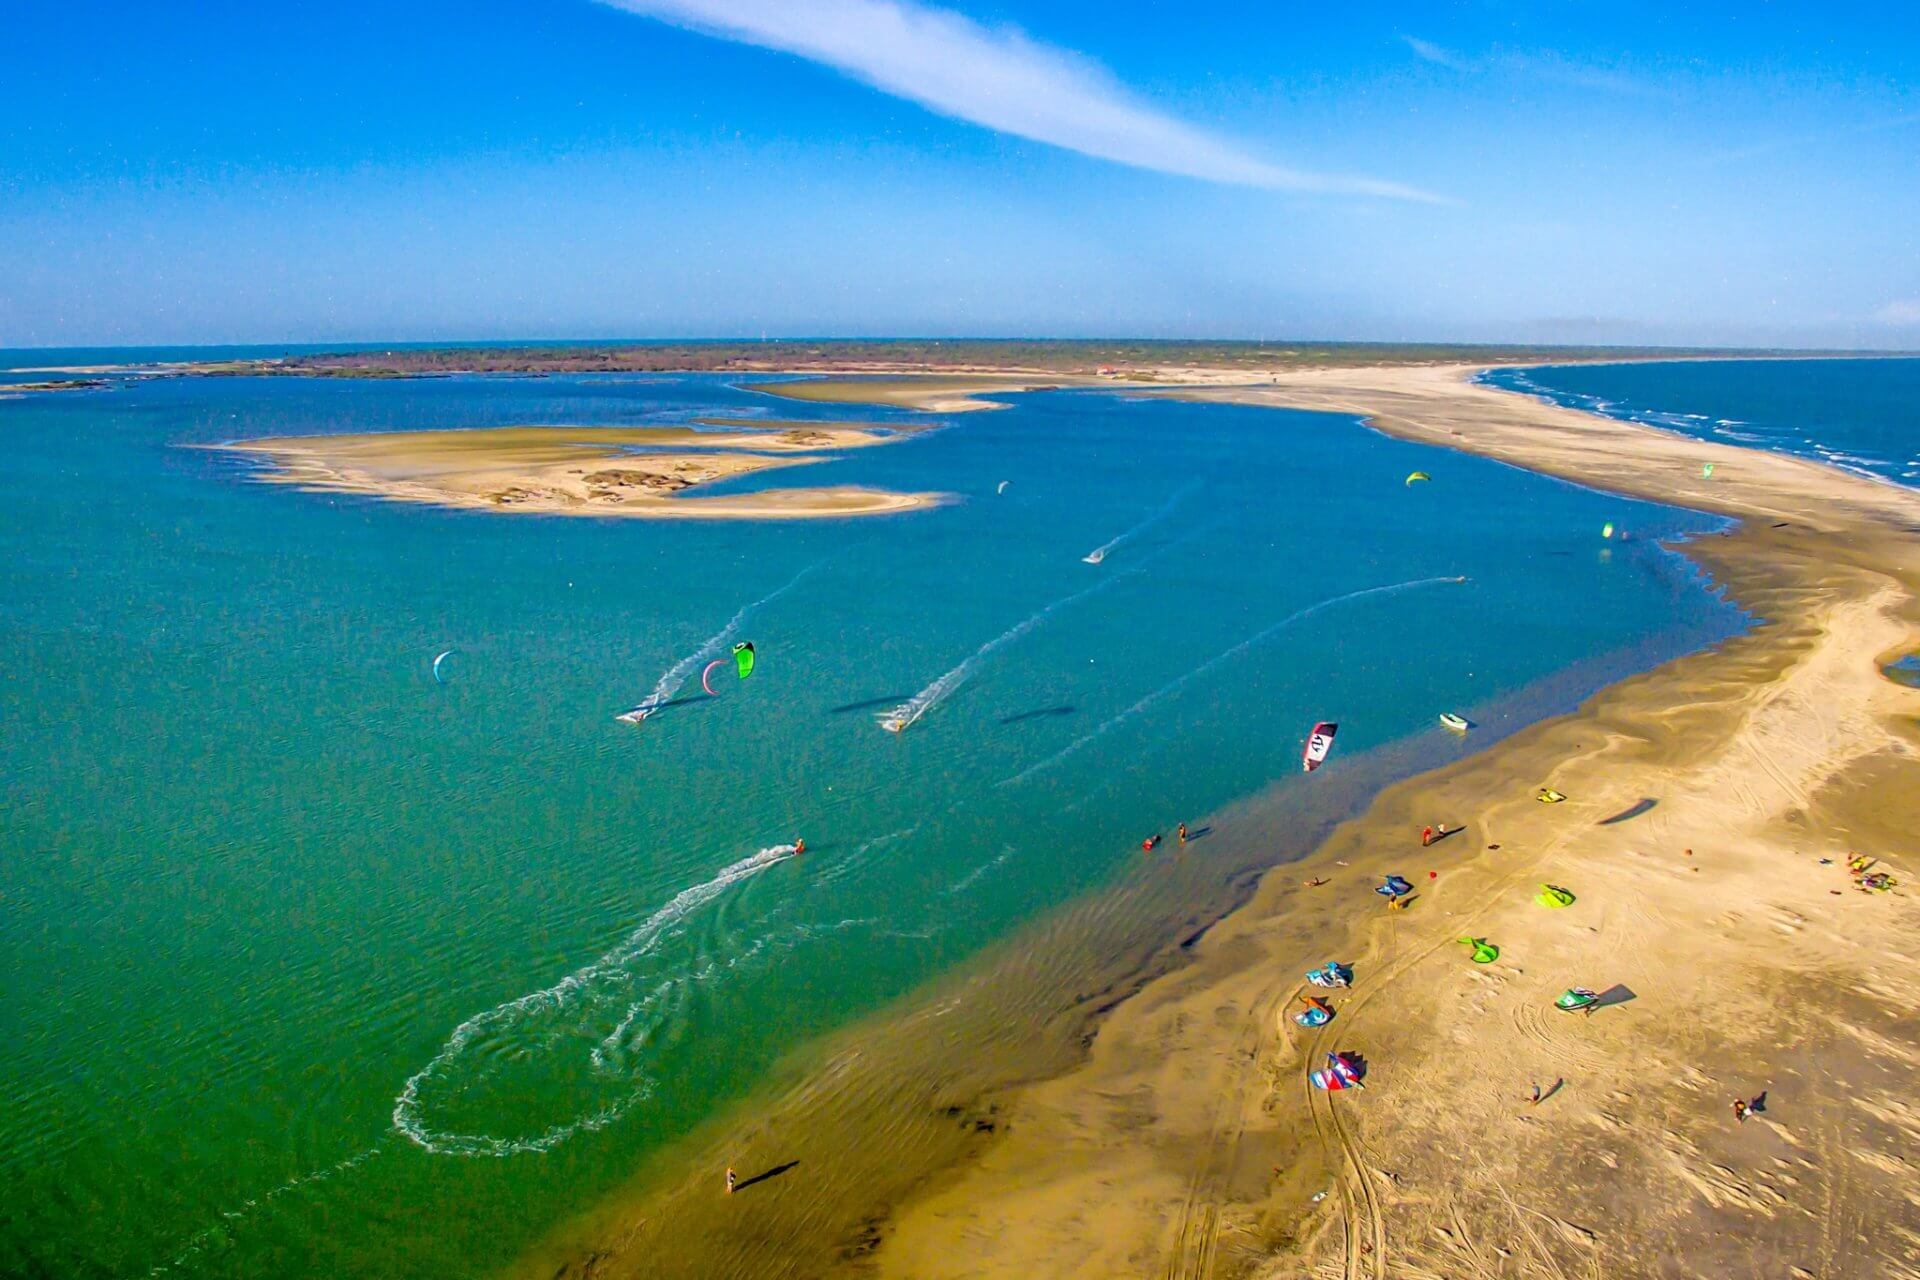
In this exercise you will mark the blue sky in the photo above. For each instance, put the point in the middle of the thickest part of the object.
(1524, 171)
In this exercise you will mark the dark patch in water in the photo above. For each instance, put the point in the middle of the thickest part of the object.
(890, 700)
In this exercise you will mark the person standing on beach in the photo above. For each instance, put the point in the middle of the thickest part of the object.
(730, 1179)
(1426, 836)
(1183, 833)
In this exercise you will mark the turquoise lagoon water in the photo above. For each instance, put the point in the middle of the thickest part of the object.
(315, 967)
(1861, 415)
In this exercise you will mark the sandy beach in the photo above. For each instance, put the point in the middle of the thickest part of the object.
(1164, 1124)
(642, 472)
(933, 394)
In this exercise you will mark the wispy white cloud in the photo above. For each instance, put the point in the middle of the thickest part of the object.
(1428, 51)
(1540, 65)
(999, 78)
(1904, 312)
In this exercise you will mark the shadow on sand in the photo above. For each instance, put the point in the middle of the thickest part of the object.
(1631, 812)
(765, 1176)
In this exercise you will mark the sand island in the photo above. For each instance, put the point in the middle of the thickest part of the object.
(643, 472)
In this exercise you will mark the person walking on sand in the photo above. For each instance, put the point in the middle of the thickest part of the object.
(1183, 833)
(1426, 836)
(1535, 1099)
(730, 1179)
(1742, 1109)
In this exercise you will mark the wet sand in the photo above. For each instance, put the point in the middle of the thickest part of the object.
(643, 472)
(1162, 1123)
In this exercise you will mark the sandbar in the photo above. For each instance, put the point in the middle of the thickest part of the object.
(642, 472)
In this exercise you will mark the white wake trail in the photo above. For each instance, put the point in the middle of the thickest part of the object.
(1178, 683)
(1165, 509)
(544, 1026)
(230, 1217)
(934, 694)
(710, 648)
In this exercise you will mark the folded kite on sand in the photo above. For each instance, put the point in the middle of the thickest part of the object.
(1393, 887)
(1484, 952)
(1342, 1072)
(1331, 974)
(1318, 1013)
(1553, 896)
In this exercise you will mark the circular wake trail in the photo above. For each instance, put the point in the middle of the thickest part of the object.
(571, 1046)
(1178, 683)
(710, 648)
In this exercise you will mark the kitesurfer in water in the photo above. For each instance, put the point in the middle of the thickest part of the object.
(1151, 843)
(799, 847)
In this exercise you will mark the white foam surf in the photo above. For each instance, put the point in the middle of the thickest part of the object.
(1178, 683)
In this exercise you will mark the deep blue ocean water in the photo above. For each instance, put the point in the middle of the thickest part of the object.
(1861, 415)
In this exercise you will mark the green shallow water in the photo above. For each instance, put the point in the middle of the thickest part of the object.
(313, 966)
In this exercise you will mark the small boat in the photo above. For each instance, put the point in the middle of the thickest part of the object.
(1459, 724)
(1319, 743)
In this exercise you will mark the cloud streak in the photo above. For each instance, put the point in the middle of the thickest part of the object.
(1428, 51)
(1540, 66)
(997, 78)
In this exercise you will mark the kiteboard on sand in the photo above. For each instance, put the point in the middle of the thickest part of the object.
(1319, 743)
